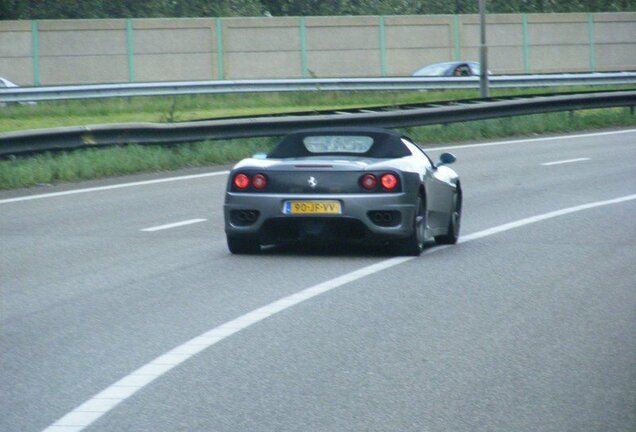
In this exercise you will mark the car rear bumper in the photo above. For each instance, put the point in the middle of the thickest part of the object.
(364, 217)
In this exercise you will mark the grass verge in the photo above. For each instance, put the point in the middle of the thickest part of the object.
(49, 168)
(87, 164)
(190, 107)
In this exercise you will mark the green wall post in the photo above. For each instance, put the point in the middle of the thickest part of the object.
(526, 48)
(130, 48)
(456, 44)
(304, 68)
(591, 37)
(382, 48)
(220, 66)
(35, 44)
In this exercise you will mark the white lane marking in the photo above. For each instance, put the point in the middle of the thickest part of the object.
(173, 225)
(100, 404)
(542, 217)
(527, 140)
(561, 162)
(111, 187)
(170, 179)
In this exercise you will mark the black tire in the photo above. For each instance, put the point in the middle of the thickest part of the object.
(414, 244)
(454, 223)
(242, 245)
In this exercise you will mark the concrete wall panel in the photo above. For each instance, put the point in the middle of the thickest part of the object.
(432, 36)
(174, 49)
(262, 65)
(15, 44)
(615, 32)
(558, 33)
(87, 42)
(262, 40)
(81, 25)
(504, 60)
(83, 51)
(261, 34)
(84, 69)
(574, 58)
(343, 46)
(154, 41)
(18, 70)
(615, 57)
(338, 38)
(174, 67)
(502, 34)
(403, 62)
(173, 23)
(16, 56)
(359, 63)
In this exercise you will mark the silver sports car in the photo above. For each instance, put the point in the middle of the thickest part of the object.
(343, 184)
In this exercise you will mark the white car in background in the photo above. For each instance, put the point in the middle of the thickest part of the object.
(5, 83)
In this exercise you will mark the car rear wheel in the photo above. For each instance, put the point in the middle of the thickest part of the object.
(243, 245)
(454, 222)
(414, 244)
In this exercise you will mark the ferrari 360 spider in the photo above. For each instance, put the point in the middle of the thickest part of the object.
(333, 185)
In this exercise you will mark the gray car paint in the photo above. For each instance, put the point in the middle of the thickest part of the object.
(416, 172)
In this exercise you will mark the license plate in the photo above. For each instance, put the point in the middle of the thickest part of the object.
(312, 207)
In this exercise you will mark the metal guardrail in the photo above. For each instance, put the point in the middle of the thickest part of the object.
(32, 94)
(67, 138)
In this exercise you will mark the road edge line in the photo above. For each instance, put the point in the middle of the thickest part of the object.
(103, 402)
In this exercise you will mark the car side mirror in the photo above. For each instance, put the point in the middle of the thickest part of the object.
(446, 159)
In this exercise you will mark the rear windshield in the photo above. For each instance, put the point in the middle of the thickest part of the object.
(369, 144)
(338, 144)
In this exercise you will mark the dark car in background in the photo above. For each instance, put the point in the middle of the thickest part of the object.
(449, 69)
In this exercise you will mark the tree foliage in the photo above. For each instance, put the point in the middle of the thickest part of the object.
(62, 9)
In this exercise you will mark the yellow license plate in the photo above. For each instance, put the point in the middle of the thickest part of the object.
(312, 207)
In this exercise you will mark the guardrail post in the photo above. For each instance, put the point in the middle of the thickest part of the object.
(382, 48)
(130, 50)
(590, 27)
(220, 66)
(35, 44)
(304, 69)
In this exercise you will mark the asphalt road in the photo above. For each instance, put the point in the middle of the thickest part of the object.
(529, 329)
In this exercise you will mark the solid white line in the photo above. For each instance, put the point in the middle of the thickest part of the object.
(542, 217)
(100, 404)
(529, 140)
(173, 225)
(565, 161)
(170, 179)
(111, 187)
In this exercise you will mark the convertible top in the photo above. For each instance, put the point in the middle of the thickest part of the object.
(386, 144)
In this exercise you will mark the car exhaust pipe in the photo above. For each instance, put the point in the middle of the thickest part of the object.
(377, 217)
(385, 218)
(244, 217)
(382, 217)
(250, 216)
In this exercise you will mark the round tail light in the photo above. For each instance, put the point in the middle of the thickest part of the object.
(241, 181)
(259, 181)
(389, 181)
(368, 182)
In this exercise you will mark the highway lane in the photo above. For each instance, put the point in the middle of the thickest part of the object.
(106, 298)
